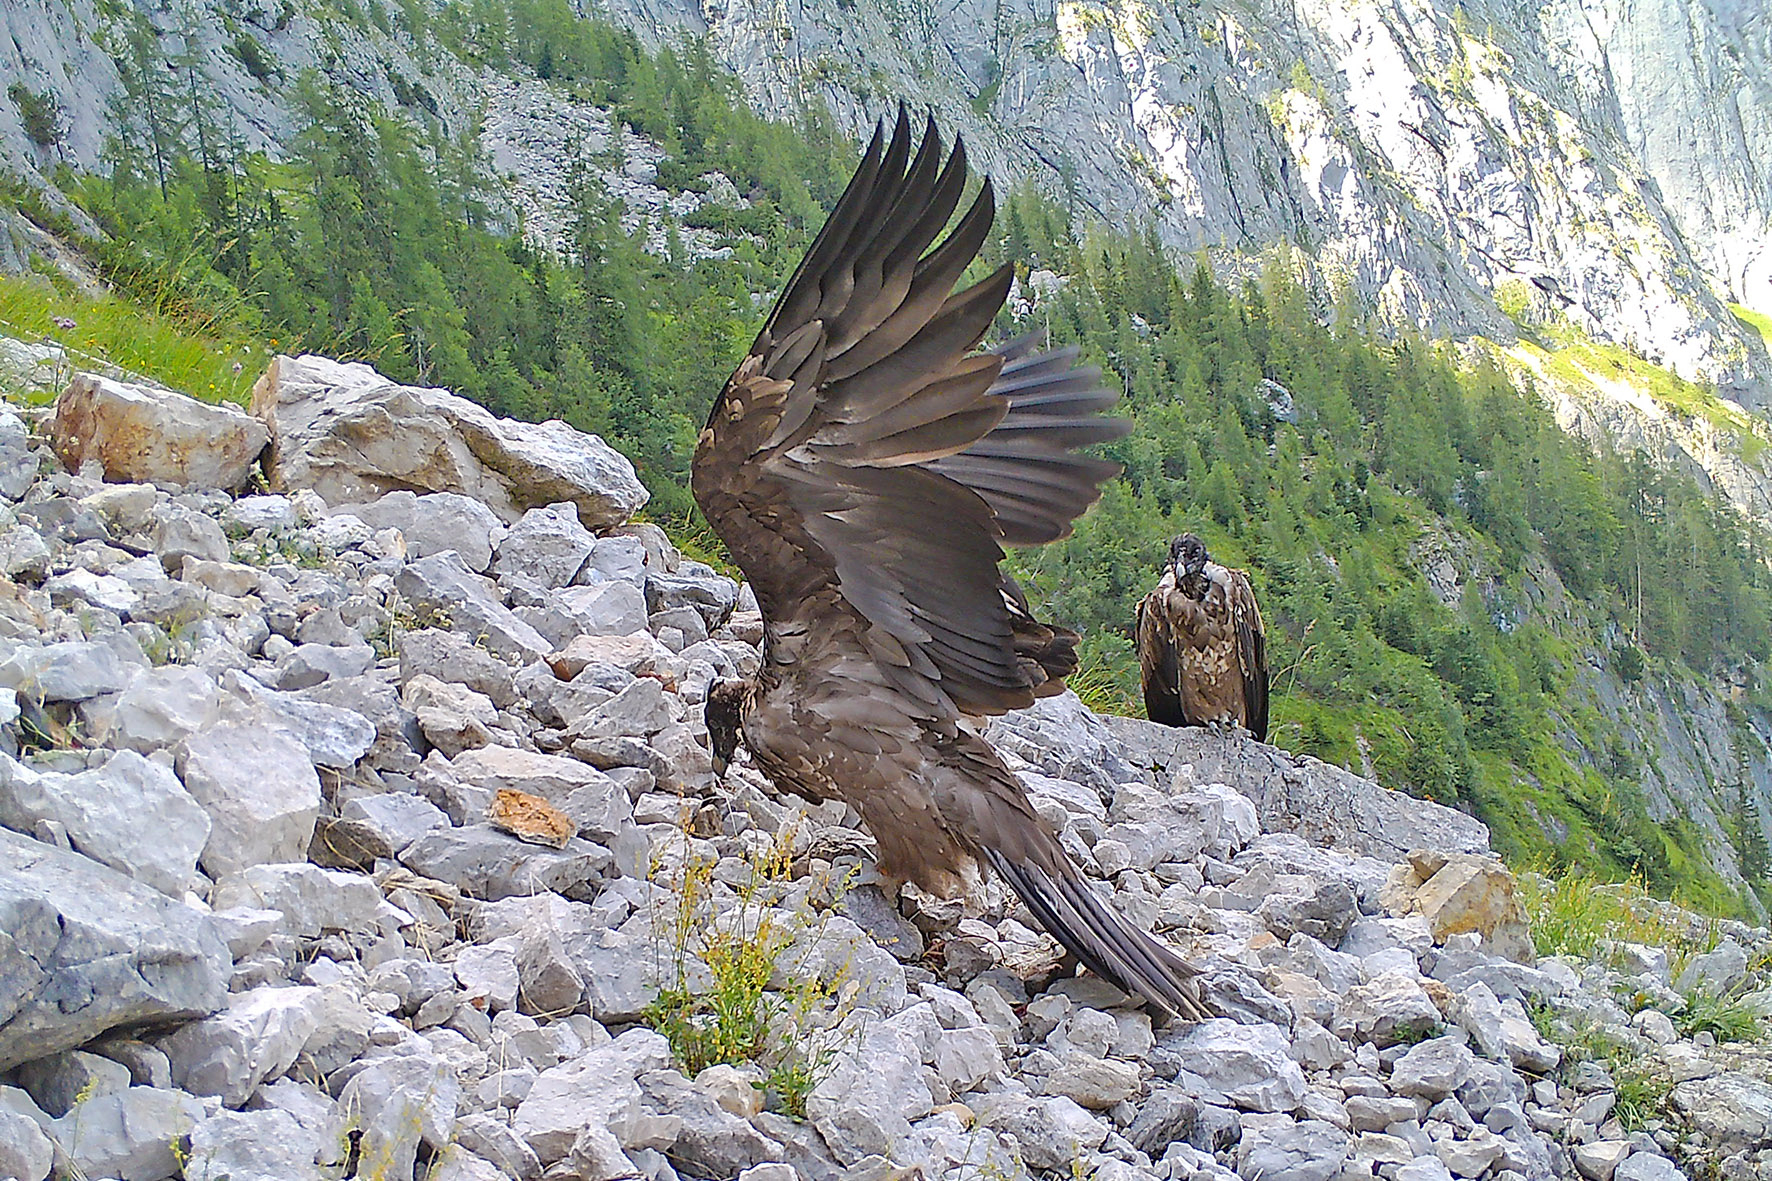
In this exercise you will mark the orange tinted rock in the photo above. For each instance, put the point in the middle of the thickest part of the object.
(530, 818)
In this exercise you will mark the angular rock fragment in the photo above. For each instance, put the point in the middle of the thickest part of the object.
(530, 818)
(485, 863)
(1459, 892)
(266, 1145)
(255, 1038)
(84, 949)
(133, 1134)
(137, 433)
(259, 787)
(129, 813)
(442, 588)
(351, 435)
(435, 522)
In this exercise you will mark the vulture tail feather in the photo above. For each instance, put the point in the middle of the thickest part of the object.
(1103, 939)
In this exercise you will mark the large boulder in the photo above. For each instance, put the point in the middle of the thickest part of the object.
(129, 812)
(1462, 892)
(1324, 804)
(84, 948)
(352, 435)
(139, 434)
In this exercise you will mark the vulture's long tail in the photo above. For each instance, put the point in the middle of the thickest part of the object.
(1097, 934)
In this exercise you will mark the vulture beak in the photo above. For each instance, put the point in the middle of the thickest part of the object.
(720, 765)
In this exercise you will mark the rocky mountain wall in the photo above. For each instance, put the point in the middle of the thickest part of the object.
(1424, 153)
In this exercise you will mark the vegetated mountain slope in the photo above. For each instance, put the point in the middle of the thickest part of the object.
(1463, 596)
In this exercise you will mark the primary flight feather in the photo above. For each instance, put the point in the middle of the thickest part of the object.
(864, 466)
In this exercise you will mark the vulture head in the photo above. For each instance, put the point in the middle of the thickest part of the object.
(727, 703)
(1187, 557)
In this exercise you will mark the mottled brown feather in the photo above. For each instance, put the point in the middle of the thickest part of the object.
(1204, 660)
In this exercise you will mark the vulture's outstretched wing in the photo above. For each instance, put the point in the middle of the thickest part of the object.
(1159, 670)
(863, 446)
(1251, 652)
(865, 467)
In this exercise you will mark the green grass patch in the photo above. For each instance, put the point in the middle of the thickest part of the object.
(1580, 360)
(1759, 321)
(1572, 913)
(1641, 1089)
(1725, 1018)
(208, 360)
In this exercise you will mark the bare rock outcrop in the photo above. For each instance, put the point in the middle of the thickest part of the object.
(138, 434)
(350, 434)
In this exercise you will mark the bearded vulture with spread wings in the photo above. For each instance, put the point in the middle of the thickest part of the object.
(865, 466)
(1202, 652)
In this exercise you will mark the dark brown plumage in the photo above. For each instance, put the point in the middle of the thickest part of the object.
(864, 467)
(1202, 651)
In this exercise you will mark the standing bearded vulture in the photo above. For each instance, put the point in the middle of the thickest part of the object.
(864, 466)
(1202, 652)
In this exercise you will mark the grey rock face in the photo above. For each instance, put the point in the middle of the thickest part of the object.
(443, 587)
(1732, 1110)
(600, 609)
(18, 466)
(1249, 1065)
(548, 544)
(273, 514)
(1715, 971)
(1297, 794)
(310, 664)
(136, 433)
(73, 670)
(181, 533)
(129, 1135)
(1052, 1132)
(162, 706)
(333, 735)
(694, 585)
(255, 1038)
(129, 813)
(865, 1107)
(1310, 1151)
(259, 787)
(449, 657)
(711, 1141)
(310, 899)
(58, 1081)
(351, 435)
(1432, 1069)
(268, 1145)
(26, 1151)
(436, 522)
(598, 1087)
(485, 863)
(404, 1100)
(84, 949)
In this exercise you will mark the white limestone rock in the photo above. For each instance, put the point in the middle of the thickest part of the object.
(256, 1037)
(138, 433)
(260, 789)
(84, 949)
(352, 435)
(129, 812)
